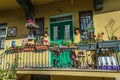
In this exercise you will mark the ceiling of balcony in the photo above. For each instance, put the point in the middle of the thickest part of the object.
(12, 4)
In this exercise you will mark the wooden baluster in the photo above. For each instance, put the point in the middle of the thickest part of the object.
(3, 61)
(45, 58)
(24, 60)
(42, 59)
(38, 59)
(35, 59)
(32, 60)
(20, 60)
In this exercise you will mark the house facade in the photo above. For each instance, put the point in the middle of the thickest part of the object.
(51, 16)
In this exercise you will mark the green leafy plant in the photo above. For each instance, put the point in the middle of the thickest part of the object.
(10, 72)
(53, 44)
(111, 29)
(67, 43)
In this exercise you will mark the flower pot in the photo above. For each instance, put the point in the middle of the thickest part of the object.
(28, 49)
(93, 46)
(41, 47)
(108, 44)
(84, 46)
(53, 49)
(8, 51)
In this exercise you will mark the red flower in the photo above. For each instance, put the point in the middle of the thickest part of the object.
(46, 41)
(102, 33)
(94, 35)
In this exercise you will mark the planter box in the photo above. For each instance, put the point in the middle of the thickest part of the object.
(84, 46)
(29, 50)
(108, 44)
(53, 48)
(16, 50)
(93, 46)
(119, 46)
(66, 48)
(41, 47)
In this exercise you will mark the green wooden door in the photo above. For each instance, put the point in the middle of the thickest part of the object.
(58, 32)
(61, 31)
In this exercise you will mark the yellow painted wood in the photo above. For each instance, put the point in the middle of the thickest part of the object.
(78, 78)
(17, 18)
(73, 73)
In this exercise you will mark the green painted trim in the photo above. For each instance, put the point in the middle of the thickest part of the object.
(60, 21)
(50, 53)
(61, 15)
(73, 26)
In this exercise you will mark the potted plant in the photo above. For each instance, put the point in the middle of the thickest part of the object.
(41, 47)
(29, 47)
(53, 46)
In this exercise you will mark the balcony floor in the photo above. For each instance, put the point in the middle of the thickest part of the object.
(71, 72)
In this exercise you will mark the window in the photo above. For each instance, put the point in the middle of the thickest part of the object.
(2, 35)
(58, 19)
(86, 23)
(40, 23)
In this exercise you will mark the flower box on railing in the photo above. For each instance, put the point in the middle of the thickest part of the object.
(53, 48)
(68, 48)
(41, 47)
(108, 44)
(93, 46)
(83, 46)
(28, 49)
(16, 50)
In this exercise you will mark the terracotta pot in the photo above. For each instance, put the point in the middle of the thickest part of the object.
(16, 50)
(41, 47)
(28, 49)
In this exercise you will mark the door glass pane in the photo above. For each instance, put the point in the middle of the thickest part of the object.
(67, 32)
(55, 33)
(2, 35)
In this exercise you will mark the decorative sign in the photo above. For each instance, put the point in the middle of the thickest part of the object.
(24, 39)
(12, 31)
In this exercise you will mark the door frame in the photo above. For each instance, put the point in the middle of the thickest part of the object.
(61, 15)
(57, 16)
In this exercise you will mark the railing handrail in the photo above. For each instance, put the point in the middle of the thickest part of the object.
(2, 53)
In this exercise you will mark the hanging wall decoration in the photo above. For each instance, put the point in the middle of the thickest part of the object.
(12, 32)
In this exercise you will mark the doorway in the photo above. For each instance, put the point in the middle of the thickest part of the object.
(61, 28)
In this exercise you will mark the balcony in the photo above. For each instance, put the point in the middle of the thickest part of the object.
(99, 60)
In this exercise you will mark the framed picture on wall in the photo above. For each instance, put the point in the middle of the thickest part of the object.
(12, 32)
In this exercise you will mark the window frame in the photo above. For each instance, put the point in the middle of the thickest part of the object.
(90, 12)
(4, 35)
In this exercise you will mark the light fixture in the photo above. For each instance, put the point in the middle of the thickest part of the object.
(58, 11)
